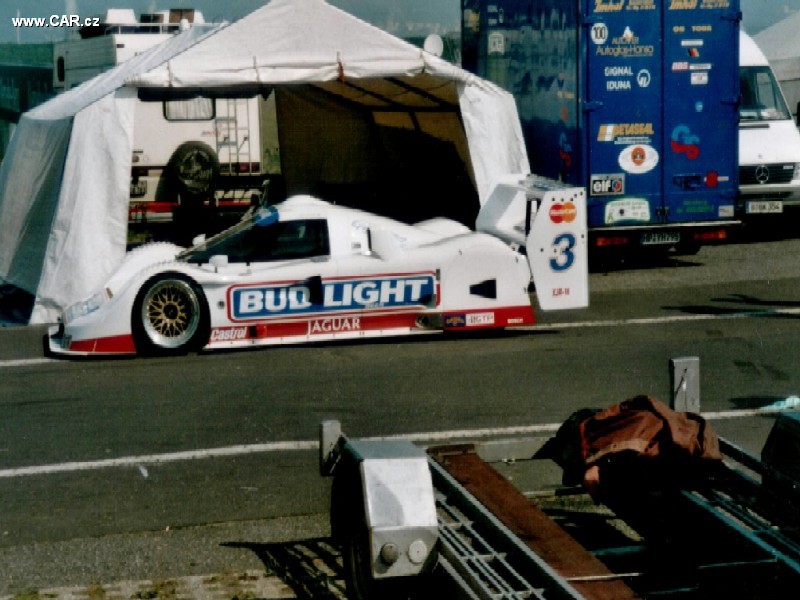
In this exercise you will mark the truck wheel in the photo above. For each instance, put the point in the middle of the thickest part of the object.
(194, 168)
(170, 315)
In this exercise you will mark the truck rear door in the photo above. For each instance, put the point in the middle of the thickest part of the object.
(660, 83)
(623, 129)
(701, 90)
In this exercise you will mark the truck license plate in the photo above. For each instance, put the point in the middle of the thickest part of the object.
(760, 207)
(661, 237)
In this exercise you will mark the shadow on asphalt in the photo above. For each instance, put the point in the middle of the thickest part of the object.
(769, 228)
(739, 304)
(314, 570)
(756, 403)
(311, 568)
(756, 230)
(610, 262)
(15, 305)
(751, 301)
(721, 311)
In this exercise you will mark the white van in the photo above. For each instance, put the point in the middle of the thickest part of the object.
(769, 142)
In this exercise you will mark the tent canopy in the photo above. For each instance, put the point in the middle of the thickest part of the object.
(363, 117)
(781, 45)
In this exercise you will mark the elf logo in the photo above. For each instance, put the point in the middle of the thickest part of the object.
(607, 184)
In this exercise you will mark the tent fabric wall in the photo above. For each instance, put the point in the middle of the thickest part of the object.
(398, 162)
(781, 45)
(92, 212)
(406, 164)
(65, 181)
(30, 177)
(495, 136)
(293, 42)
(328, 141)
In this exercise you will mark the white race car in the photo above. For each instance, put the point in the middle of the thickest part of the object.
(305, 270)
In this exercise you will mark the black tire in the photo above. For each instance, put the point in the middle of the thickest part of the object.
(170, 316)
(194, 170)
(359, 582)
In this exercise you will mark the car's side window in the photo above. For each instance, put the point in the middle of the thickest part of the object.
(286, 240)
(282, 240)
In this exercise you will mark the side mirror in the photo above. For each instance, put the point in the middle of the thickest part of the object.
(218, 260)
(198, 239)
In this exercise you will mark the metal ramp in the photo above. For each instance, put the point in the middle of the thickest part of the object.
(752, 515)
(501, 545)
(735, 532)
(480, 554)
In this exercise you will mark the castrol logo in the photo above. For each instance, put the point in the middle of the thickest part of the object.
(228, 334)
(563, 212)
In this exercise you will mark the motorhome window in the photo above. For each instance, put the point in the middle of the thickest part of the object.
(92, 31)
(195, 109)
(284, 240)
(761, 97)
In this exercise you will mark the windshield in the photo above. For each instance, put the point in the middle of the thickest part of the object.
(261, 241)
(762, 99)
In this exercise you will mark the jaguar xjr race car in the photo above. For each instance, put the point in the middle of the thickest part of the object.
(306, 270)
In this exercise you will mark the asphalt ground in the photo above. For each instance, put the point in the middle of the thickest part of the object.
(216, 562)
(181, 561)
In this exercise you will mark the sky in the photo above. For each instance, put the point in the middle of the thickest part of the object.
(401, 17)
(397, 16)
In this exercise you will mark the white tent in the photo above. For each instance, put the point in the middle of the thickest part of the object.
(781, 45)
(64, 182)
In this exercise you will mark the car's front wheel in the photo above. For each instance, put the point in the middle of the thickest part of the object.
(170, 315)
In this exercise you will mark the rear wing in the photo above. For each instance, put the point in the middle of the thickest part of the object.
(546, 220)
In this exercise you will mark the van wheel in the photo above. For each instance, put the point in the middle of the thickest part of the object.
(170, 315)
(194, 168)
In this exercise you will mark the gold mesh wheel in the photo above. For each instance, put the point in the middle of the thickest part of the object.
(171, 314)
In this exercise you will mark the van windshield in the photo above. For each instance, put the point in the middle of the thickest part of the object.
(762, 99)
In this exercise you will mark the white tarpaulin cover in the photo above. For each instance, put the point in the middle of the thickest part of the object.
(64, 187)
(64, 182)
(781, 45)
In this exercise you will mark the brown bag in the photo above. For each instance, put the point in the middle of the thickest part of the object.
(650, 429)
(639, 442)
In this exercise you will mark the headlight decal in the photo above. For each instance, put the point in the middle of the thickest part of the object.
(85, 307)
